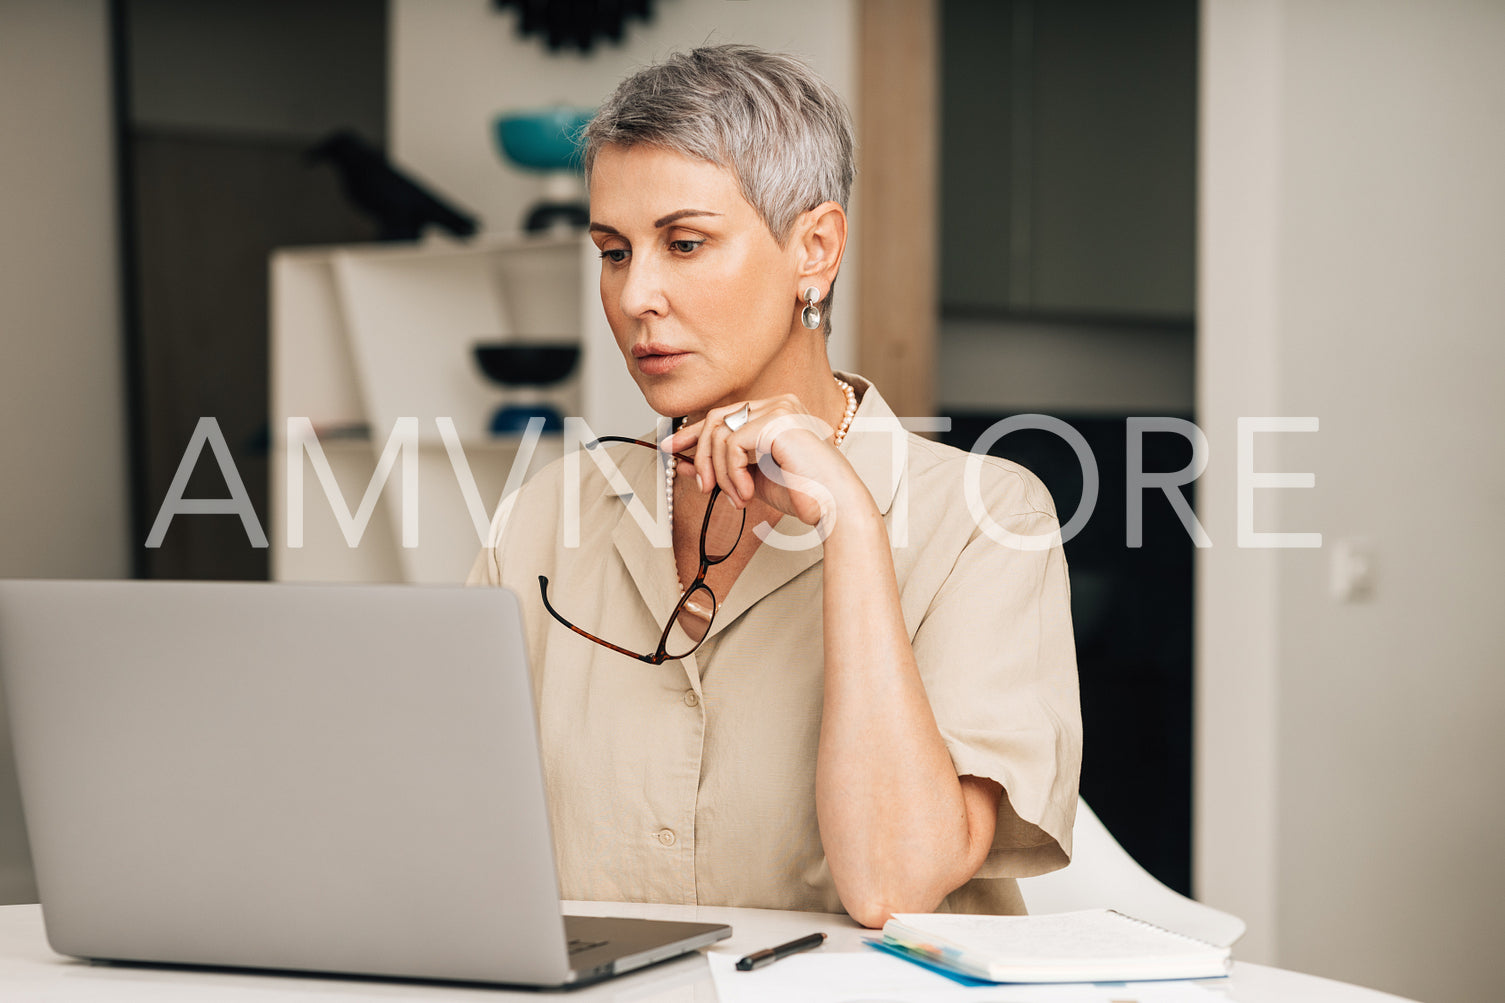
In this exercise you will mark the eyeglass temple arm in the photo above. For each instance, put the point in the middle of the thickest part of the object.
(543, 590)
(598, 440)
(705, 524)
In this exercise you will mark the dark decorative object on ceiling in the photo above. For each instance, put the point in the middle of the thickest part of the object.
(400, 206)
(576, 22)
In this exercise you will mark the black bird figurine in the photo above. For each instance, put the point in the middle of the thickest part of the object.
(400, 206)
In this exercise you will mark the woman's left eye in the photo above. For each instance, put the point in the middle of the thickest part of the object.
(684, 246)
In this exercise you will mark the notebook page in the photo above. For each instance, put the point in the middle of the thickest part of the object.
(1089, 935)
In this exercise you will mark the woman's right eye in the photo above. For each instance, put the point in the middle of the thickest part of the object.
(616, 255)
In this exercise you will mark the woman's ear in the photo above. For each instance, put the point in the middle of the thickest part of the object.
(820, 240)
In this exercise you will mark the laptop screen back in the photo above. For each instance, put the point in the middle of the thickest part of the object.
(335, 778)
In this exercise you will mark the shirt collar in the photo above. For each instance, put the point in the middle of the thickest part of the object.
(874, 446)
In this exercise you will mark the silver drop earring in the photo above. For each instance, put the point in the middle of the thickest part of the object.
(810, 316)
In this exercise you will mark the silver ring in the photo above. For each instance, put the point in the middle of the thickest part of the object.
(737, 419)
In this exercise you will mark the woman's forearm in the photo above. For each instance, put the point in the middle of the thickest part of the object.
(899, 828)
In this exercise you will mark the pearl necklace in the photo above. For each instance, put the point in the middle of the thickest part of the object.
(841, 433)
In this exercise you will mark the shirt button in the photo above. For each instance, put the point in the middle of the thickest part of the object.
(691, 699)
(666, 836)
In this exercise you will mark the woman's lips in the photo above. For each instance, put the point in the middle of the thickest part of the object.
(656, 360)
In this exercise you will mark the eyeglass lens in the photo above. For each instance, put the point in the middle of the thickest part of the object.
(697, 610)
(724, 529)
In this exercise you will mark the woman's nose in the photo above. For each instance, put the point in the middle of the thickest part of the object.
(643, 289)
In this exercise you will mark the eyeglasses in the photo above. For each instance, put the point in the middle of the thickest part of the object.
(696, 609)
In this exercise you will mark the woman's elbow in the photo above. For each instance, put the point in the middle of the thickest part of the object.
(875, 906)
(954, 858)
(921, 893)
(874, 912)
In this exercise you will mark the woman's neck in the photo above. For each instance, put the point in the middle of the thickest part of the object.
(805, 374)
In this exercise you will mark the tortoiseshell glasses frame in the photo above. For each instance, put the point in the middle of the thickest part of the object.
(661, 653)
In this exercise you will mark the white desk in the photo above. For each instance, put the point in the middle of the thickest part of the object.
(29, 970)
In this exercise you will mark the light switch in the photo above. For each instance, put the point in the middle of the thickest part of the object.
(1352, 575)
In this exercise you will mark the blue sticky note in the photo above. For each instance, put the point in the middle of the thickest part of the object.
(924, 962)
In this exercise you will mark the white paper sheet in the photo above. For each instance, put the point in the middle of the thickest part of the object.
(874, 977)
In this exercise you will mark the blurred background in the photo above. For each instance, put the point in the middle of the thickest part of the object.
(1197, 209)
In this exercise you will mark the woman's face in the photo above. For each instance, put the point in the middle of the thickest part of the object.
(699, 295)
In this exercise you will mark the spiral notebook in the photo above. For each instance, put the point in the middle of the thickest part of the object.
(1093, 945)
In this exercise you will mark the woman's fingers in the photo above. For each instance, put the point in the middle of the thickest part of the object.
(709, 438)
(751, 467)
(723, 444)
(740, 477)
(729, 457)
(710, 447)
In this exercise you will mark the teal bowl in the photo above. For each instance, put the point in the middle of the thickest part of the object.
(544, 140)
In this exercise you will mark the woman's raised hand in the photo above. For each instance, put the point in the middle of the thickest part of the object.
(782, 454)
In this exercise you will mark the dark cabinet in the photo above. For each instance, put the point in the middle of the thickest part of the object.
(1068, 158)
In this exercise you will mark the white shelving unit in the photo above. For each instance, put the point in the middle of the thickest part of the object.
(364, 335)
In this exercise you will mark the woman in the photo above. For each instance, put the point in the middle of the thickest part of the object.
(876, 707)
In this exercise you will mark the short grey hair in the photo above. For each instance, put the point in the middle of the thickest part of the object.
(765, 116)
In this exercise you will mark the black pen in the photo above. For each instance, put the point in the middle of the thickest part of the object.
(768, 956)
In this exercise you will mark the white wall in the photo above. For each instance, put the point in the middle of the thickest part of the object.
(1350, 754)
(63, 504)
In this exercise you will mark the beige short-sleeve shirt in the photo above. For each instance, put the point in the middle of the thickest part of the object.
(694, 781)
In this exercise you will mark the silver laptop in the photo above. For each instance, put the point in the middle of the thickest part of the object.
(299, 777)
